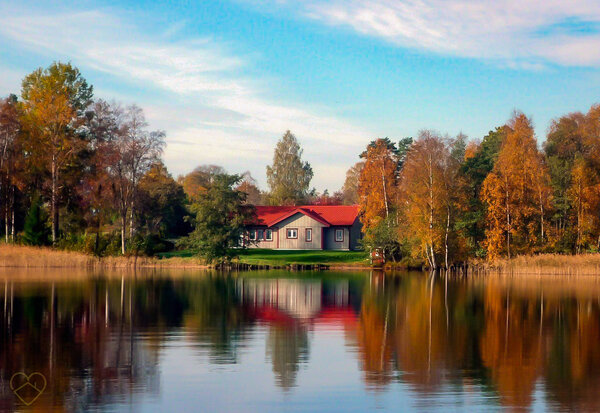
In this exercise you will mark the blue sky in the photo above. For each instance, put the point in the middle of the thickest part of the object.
(225, 79)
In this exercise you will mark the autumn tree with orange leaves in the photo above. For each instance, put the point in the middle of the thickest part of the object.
(377, 185)
(516, 193)
(585, 198)
(428, 186)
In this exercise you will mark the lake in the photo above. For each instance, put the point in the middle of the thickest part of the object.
(156, 341)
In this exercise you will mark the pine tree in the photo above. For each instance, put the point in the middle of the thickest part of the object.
(36, 229)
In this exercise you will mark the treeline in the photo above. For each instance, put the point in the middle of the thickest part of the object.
(81, 173)
(439, 201)
(85, 174)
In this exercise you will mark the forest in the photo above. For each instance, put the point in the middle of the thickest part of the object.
(86, 174)
(443, 200)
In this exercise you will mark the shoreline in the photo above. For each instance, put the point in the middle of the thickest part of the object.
(24, 257)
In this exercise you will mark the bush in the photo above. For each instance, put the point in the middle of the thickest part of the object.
(101, 245)
(150, 244)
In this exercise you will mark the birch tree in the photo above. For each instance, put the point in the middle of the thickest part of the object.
(10, 127)
(130, 151)
(516, 193)
(289, 177)
(425, 195)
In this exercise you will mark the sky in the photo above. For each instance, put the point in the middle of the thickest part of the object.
(225, 79)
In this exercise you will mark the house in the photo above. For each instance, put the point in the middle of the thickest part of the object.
(311, 227)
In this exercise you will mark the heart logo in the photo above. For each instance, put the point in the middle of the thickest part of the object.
(28, 388)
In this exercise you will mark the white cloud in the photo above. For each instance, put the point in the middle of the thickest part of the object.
(521, 33)
(213, 114)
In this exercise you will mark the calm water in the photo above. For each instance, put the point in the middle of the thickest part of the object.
(194, 341)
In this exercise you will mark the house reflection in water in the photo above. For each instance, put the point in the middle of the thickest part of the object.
(291, 307)
(293, 300)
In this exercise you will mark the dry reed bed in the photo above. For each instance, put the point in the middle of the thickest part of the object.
(36, 257)
(543, 264)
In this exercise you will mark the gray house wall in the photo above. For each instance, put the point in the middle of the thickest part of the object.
(300, 222)
(355, 234)
(331, 243)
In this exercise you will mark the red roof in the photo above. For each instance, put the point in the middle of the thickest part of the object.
(326, 214)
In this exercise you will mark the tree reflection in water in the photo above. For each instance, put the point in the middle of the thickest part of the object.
(98, 338)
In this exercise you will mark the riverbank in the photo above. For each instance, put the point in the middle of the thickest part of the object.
(20, 256)
(45, 257)
(17, 256)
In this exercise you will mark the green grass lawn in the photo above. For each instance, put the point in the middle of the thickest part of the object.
(280, 257)
(259, 256)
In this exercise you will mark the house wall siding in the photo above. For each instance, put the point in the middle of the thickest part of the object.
(301, 222)
(262, 243)
(332, 244)
(355, 234)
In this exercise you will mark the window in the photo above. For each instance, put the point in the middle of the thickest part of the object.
(253, 235)
(292, 233)
(339, 235)
(308, 235)
(268, 235)
(260, 235)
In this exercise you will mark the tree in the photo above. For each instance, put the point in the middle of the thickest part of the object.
(384, 237)
(196, 182)
(350, 188)
(289, 177)
(133, 150)
(54, 102)
(564, 143)
(162, 203)
(377, 183)
(583, 195)
(426, 195)
(220, 218)
(10, 129)
(478, 163)
(248, 185)
(326, 199)
(36, 229)
(516, 193)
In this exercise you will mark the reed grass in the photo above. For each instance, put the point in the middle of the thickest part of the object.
(43, 257)
(543, 264)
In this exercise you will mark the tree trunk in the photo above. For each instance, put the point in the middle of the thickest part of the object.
(542, 215)
(507, 225)
(54, 208)
(447, 231)
(385, 197)
(131, 230)
(123, 230)
(12, 213)
(6, 231)
(577, 249)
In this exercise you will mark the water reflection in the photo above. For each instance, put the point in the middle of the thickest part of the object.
(427, 341)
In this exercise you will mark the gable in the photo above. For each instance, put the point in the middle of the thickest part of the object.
(299, 220)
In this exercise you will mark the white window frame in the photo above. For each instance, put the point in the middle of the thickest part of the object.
(308, 235)
(260, 235)
(252, 235)
(341, 231)
(287, 233)
(268, 235)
